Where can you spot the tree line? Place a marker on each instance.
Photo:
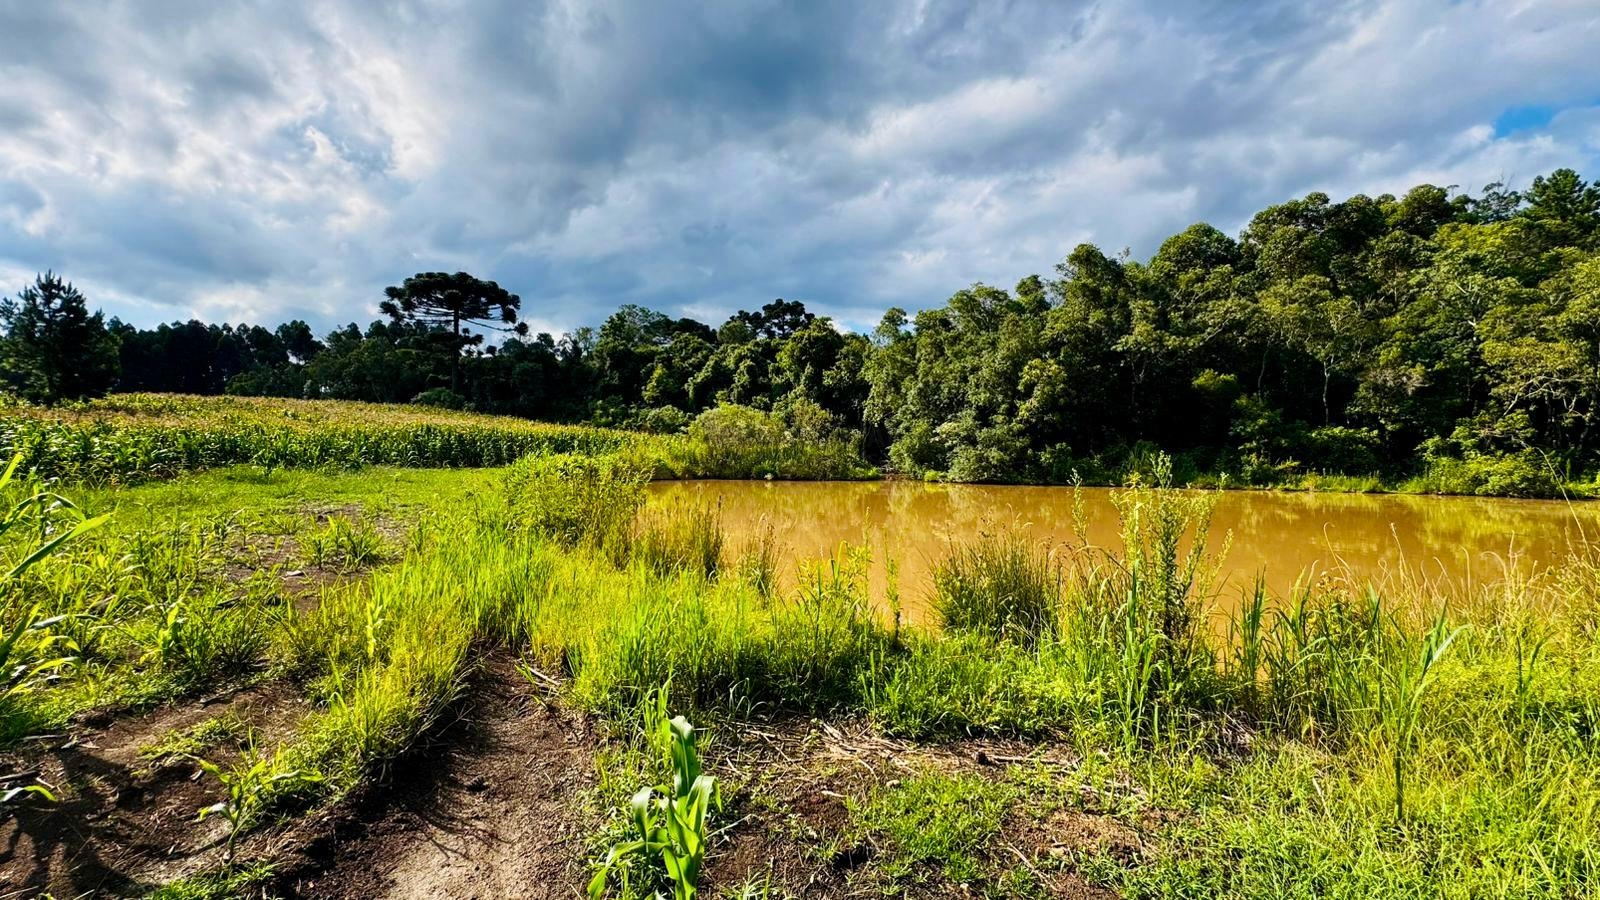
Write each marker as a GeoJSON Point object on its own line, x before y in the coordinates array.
{"type": "Point", "coordinates": [1436, 335]}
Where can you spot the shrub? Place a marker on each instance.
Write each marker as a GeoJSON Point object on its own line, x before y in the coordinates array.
{"type": "Point", "coordinates": [440, 397]}
{"type": "Point", "coordinates": [740, 442]}
{"type": "Point", "coordinates": [574, 500]}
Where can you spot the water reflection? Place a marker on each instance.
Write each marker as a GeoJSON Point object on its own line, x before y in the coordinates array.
{"type": "Point", "coordinates": [1283, 536]}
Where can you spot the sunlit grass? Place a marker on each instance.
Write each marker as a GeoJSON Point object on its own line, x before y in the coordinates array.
{"type": "Point", "coordinates": [1331, 742]}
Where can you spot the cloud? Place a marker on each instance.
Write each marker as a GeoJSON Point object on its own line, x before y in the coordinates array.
{"type": "Point", "coordinates": [267, 160]}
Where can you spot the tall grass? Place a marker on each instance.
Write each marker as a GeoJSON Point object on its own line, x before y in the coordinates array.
{"type": "Point", "coordinates": [572, 499]}
{"type": "Point", "coordinates": [681, 540]}
{"type": "Point", "coordinates": [1001, 585]}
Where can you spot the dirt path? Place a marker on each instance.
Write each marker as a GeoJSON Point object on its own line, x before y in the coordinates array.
{"type": "Point", "coordinates": [492, 814]}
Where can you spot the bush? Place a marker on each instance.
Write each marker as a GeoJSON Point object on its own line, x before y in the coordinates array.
{"type": "Point", "coordinates": [573, 499]}
{"type": "Point", "coordinates": [440, 397]}
{"type": "Point", "coordinates": [740, 442]}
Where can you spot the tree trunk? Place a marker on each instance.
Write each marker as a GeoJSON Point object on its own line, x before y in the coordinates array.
{"type": "Point", "coordinates": [1327, 416]}
{"type": "Point", "coordinates": [455, 357]}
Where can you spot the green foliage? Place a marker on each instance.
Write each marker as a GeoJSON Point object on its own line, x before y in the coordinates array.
{"type": "Point", "coordinates": [1400, 700]}
{"type": "Point", "coordinates": [443, 398]}
{"type": "Point", "coordinates": [52, 348]}
{"type": "Point", "coordinates": [574, 500]}
{"type": "Point", "coordinates": [1490, 458]}
{"type": "Point", "coordinates": [669, 822]}
{"type": "Point", "coordinates": [1334, 742]}
{"type": "Point", "coordinates": [740, 442]}
{"type": "Point", "coordinates": [1000, 585]}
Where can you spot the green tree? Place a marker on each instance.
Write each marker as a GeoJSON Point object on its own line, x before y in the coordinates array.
{"type": "Point", "coordinates": [438, 299]}
{"type": "Point", "coordinates": [54, 348]}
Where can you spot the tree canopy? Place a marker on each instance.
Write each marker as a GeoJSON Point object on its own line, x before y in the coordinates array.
{"type": "Point", "coordinates": [437, 299]}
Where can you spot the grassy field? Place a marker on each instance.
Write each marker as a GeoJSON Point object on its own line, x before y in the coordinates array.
{"type": "Point", "coordinates": [281, 648]}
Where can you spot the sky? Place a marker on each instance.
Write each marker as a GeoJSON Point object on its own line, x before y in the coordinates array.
{"type": "Point", "coordinates": [239, 161]}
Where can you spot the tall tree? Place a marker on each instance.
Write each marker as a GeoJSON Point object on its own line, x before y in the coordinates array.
{"type": "Point", "coordinates": [438, 299]}
{"type": "Point", "coordinates": [54, 349]}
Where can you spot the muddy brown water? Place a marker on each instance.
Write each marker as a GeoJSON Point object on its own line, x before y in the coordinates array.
{"type": "Point", "coordinates": [1452, 542]}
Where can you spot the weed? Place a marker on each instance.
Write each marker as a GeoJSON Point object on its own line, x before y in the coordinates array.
{"type": "Point", "coordinates": [230, 883]}
{"type": "Point", "coordinates": [344, 543]}
{"type": "Point", "coordinates": [198, 738]}
{"type": "Point", "coordinates": [1400, 700]}
{"type": "Point", "coordinates": [932, 824]}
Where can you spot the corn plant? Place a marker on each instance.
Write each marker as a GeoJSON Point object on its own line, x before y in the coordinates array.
{"type": "Point", "coordinates": [250, 786]}
{"type": "Point", "coordinates": [1400, 701]}
{"type": "Point", "coordinates": [669, 821]}
{"type": "Point", "coordinates": [28, 649]}
{"type": "Point", "coordinates": [21, 671]}
{"type": "Point", "coordinates": [32, 512]}
{"type": "Point", "coordinates": [135, 437]}
{"type": "Point", "coordinates": [169, 637]}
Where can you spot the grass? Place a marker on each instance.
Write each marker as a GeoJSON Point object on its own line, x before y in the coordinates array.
{"type": "Point", "coordinates": [197, 739]}
{"type": "Point", "coordinates": [999, 585]}
{"type": "Point", "coordinates": [1368, 740]}
{"type": "Point", "coordinates": [933, 828]}
{"type": "Point", "coordinates": [233, 882]}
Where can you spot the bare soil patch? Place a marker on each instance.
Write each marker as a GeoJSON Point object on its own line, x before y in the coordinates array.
{"type": "Point", "coordinates": [123, 825]}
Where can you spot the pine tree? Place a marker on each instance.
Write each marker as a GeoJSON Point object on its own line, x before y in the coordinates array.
{"type": "Point", "coordinates": [54, 349]}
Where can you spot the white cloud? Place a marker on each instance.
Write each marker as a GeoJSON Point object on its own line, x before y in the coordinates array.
{"type": "Point", "coordinates": [270, 160]}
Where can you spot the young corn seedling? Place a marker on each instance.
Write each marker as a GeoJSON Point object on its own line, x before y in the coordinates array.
{"type": "Point", "coordinates": [249, 785]}
{"type": "Point", "coordinates": [669, 821]}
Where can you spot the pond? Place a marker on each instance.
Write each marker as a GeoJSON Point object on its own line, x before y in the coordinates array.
{"type": "Point", "coordinates": [1283, 537]}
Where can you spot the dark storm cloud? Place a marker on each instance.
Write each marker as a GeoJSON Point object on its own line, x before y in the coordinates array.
{"type": "Point", "coordinates": [267, 160]}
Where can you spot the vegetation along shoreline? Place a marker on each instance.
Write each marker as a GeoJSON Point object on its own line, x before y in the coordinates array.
{"type": "Point", "coordinates": [1433, 342]}
{"type": "Point", "coordinates": [284, 650]}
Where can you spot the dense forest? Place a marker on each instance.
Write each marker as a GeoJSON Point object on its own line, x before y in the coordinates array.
{"type": "Point", "coordinates": [1448, 340]}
